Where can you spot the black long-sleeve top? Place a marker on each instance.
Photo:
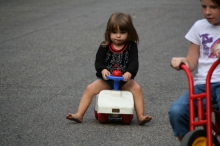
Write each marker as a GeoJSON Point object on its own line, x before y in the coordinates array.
{"type": "Point", "coordinates": [125, 60]}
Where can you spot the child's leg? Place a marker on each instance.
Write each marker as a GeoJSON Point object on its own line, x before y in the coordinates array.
{"type": "Point", "coordinates": [91, 90]}
{"type": "Point", "coordinates": [179, 116]}
{"type": "Point", "coordinates": [136, 90]}
{"type": "Point", "coordinates": [216, 87]}
{"type": "Point", "coordinates": [179, 113]}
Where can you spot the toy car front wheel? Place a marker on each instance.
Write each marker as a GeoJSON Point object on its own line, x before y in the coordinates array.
{"type": "Point", "coordinates": [126, 119]}
{"type": "Point", "coordinates": [103, 118]}
{"type": "Point", "coordinates": [197, 138]}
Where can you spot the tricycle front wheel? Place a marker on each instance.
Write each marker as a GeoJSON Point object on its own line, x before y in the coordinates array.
{"type": "Point", "coordinates": [197, 138]}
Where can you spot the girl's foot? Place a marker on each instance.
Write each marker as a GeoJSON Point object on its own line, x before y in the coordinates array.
{"type": "Point", "coordinates": [144, 119]}
{"type": "Point", "coordinates": [180, 138]}
{"type": "Point", "coordinates": [74, 117]}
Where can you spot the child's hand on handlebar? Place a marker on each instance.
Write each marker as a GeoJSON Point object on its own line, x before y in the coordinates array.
{"type": "Point", "coordinates": [105, 73]}
{"type": "Point", "coordinates": [127, 76]}
{"type": "Point", "coordinates": [177, 61]}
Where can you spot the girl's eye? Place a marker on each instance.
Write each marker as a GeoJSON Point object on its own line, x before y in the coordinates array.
{"type": "Point", "coordinates": [213, 7]}
{"type": "Point", "coordinates": [203, 6]}
{"type": "Point", "coordinates": [123, 32]}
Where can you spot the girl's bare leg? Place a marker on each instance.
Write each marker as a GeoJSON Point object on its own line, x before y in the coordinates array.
{"type": "Point", "coordinates": [91, 90]}
{"type": "Point", "coordinates": [136, 90]}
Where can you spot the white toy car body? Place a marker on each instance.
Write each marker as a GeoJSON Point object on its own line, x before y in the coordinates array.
{"type": "Point", "coordinates": [114, 104]}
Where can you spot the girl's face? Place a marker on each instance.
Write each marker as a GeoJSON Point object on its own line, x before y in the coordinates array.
{"type": "Point", "coordinates": [211, 12]}
{"type": "Point", "coordinates": [118, 37]}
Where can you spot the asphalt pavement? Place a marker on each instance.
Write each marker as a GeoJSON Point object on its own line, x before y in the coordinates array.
{"type": "Point", "coordinates": [47, 53]}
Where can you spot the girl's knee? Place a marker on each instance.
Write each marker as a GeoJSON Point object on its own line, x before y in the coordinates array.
{"type": "Point", "coordinates": [177, 110]}
{"type": "Point", "coordinates": [173, 111]}
{"type": "Point", "coordinates": [136, 87]}
{"type": "Point", "coordinates": [90, 87]}
{"type": "Point", "coordinates": [97, 86]}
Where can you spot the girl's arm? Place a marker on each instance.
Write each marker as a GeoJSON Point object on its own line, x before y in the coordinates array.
{"type": "Point", "coordinates": [133, 64]}
{"type": "Point", "coordinates": [100, 59]}
{"type": "Point", "coordinates": [190, 61]}
{"type": "Point", "coordinates": [100, 63]}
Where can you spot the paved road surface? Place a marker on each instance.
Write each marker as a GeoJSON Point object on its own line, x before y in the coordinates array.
{"type": "Point", "coordinates": [47, 52]}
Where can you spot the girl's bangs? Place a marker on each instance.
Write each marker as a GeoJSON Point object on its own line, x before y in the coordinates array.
{"type": "Point", "coordinates": [114, 27]}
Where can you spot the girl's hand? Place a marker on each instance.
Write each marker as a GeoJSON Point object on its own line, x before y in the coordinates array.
{"type": "Point", "coordinates": [127, 76]}
{"type": "Point", "coordinates": [105, 73]}
{"type": "Point", "coordinates": [175, 62]}
{"type": "Point", "coordinates": [191, 60]}
{"type": "Point", "coordinates": [218, 53]}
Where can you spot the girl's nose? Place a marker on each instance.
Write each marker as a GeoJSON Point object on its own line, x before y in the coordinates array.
{"type": "Point", "coordinates": [118, 35]}
{"type": "Point", "coordinates": [207, 11]}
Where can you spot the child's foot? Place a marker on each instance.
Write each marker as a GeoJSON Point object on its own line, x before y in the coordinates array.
{"type": "Point", "coordinates": [144, 119]}
{"type": "Point", "coordinates": [180, 138]}
{"type": "Point", "coordinates": [74, 117]}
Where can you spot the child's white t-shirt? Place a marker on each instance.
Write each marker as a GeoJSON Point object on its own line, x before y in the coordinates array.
{"type": "Point", "coordinates": [207, 36]}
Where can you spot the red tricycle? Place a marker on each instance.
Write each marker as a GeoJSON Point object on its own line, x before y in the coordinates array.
{"type": "Point", "coordinates": [200, 117]}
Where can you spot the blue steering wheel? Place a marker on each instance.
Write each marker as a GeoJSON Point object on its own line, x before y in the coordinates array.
{"type": "Point", "coordinates": [116, 81]}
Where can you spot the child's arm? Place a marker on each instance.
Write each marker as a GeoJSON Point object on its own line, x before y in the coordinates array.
{"type": "Point", "coordinates": [190, 61]}
{"type": "Point", "coordinates": [133, 64]}
{"type": "Point", "coordinates": [100, 60]}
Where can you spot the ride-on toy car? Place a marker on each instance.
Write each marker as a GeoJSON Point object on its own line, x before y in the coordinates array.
{"type": "Point", "coordinates": [208, 135]}
{"type": "Point", "coordinates": [114, 104]}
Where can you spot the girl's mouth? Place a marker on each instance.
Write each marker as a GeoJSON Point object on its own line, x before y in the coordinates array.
{"type": "Point", "coordinates": [210, 19]}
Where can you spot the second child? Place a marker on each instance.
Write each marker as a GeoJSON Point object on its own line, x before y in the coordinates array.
{"type": "Point", "coordinates": [204, 50]}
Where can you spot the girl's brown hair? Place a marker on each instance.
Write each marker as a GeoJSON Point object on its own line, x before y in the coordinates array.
{"type": "Point", "coordinates": [217, 2]}
{"type": "Point", "coordinates": [124, 23]}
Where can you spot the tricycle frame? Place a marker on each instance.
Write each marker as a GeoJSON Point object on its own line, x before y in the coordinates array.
{"type": "Point", "coordinates": [204, 118]}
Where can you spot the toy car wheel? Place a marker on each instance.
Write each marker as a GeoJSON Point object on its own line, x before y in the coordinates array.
{"type": "Point", "coordinates": [126, 119]}
{"type": "Point", "coordinates": [197, 138]}
{"type": "Point", "coordinates": [103, 118]}
{"type": "Point", "coordinates": [96, 114]}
